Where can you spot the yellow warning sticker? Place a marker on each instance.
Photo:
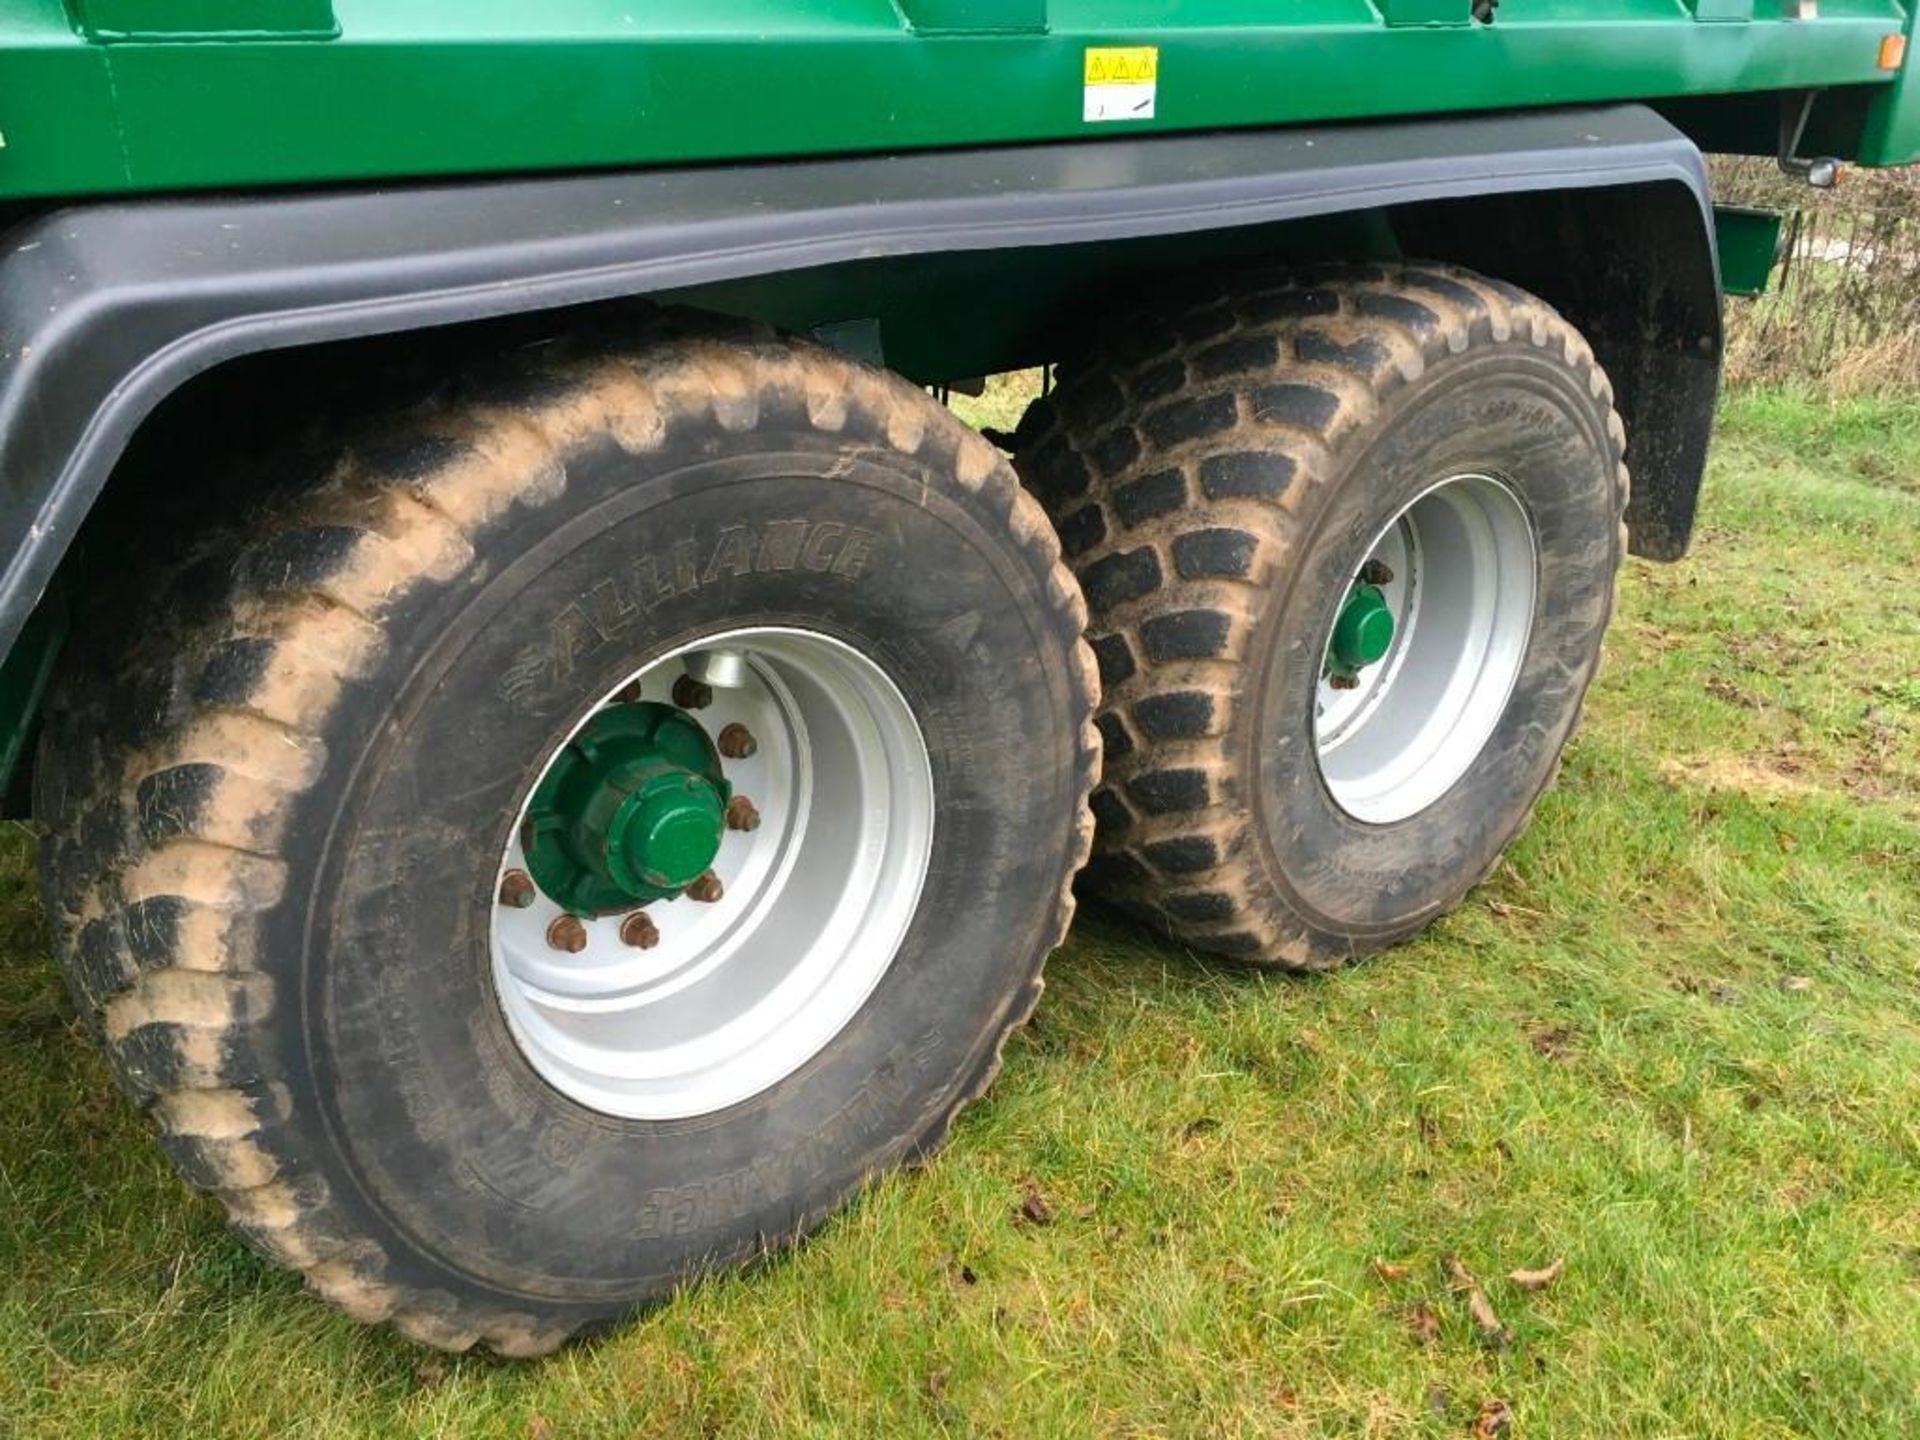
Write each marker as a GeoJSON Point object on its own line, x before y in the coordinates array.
{"type": "Point", "coordinates": [1121, 82]}
{"type": "Point", "coordinates": [1128, 65]}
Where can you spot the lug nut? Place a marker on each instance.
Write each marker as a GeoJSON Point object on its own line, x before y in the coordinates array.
{"type": "Point", "coordinates": [741, 814]}
{"type": "Point", "coordinates": [516, 889]}
{"type": "Point", "coordinates": [692, 694]}
{"type": "Point", "coordinates": [1376, 572]}
{"type": "Point", "coordinates": [628, 693]}
{"type": "Point", "coordinates": [639, 931]}
{"type": "Point", "coordinates": [1344, 682]}
{"type": "Point", "coordinates": [736, 742]}
{"type": "Point", "coordinates": [568, 934]}
{"type": "Point", "coordinates": [706, 889]}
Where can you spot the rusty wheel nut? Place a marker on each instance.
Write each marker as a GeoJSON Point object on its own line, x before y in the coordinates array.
{"type": "Point", "coordinates": [1344, 682]}
{"type": "Point", "coordinates": [692, 694]}
{"type": "Point", "coordinates": [516, 889]}
{"type": "Point", "coordinates": [706, 889]}
{"type": "Point", "coordinates": [741, 814]}
{"type": "Point", "coordinates": [736, 742]}
{"type": "Point", "coordinates": [639, 931]}
{"type": "Point", "coordinates": [1376, 572]}
{"type": "Point", "coordinates": [568, 934]}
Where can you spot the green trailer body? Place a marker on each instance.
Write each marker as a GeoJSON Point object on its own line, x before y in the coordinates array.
{"type": "Point", "coordinates": [415, 414]}
{"type": "Point", "coordinates": [108, 101]}
{"type": "Point", "coordinates": [139, 95]}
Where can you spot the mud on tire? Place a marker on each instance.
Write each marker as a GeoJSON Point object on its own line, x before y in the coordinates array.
{"type": "Point", "coordinates": [276, 794]}
{"type": "Point", "coordinates": [1216, 475]}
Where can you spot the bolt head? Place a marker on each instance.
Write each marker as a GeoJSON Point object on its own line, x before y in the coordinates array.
{"type": "Point", "coordinates": [736, 742]}
{"type": "Point", "coordinates": [706, 889]}
{"type": "Point", "coordinates": [692, 694]}
{"type": "Point", "coordinates": [1344, 682]}
{"type": "Point", "coordinates": [1376, 572]}
{"type": "Point", "coordinates": [517, 889]}
{"type": "Point", "coordinates": [639, 931]}
{"type": "Point", "coordinates": [742, 814]}
{"type": "Point", "coordinates": [567, 933]}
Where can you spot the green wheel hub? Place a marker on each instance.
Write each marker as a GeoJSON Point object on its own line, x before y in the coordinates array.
{"type": "Point", "coordinates": [632, 811]}
{"type": "Point", "coordinates": [1362, 633]}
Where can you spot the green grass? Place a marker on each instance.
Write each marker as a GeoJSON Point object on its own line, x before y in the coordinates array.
{"type": "Point", "coordinates": [1675, 1041]}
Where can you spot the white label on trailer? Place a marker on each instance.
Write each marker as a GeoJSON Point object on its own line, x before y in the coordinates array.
{"type": "Point", "coordinates": [1121, 82]}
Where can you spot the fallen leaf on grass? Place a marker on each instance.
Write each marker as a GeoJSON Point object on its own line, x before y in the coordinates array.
{"type": "Point", "coordinates": [1506, 910]}
{"type": "Point", "coordinates": [1552, 1043]}
{"type": "Point", "coordinates": [1034, 1207]}
{"type": "Point", "coordinates": [1732, 694]}
{"type": "Point", "coordinates": [1492, 1332]}
{"type": "Point", "coordinates": [1494, 1418]}
{"type": "Point", "coordinates": [1425, 1324]}
{"type": "Point", "coordinates": [539, 1427]}
{"type": "Point", "coordinates": [937, 1383]}
{"type": "Point", "coordinates": [1796, 983]}
{"type": "Point", "coordinates": [1388, 1271]}
{"type": "Point", "coordinates": [1458, 1276]}
{"type": "Point", "coordinates": [1483, 1316]}
{"type": "Point", "coordinates": [1538, 1279]}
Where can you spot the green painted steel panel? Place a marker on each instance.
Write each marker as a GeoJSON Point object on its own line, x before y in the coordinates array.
{"type": "Point", "coordinates": [1748, 240]}
{"type": "Point", "coordinates": [122, 20]}
{"type": "Point", "coordinates": [934, 17]}
{"type": "Point", "coordinates": [1893, 120]}
{"type": "Point", "coordinates": [1721, 10]}
{"type": "Point", "coordinates": [1427, 12]}
{"type": "Point", "coordinates": [59, 129]}
{"type": "Point", "coordinates": [431, 87]}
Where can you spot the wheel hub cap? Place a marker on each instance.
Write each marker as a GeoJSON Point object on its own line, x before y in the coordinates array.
{"type": "Point", "coordinates": [632, 811]}
{"type": "Point", "coordinates": [805, 861]}
{"type": "Point", "coordinates": [1363, 633]}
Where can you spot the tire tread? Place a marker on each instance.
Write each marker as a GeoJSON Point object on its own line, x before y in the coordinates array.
{"type": "Point", "coordinates": [1276, 376]}
{"type": "Point", "coordinates": [180, 761]}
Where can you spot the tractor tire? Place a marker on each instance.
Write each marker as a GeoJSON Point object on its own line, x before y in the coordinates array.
{"type": "Point", "coordinates": [1230, 478]}
{"type": "Point", "coordinates": [283, 795]}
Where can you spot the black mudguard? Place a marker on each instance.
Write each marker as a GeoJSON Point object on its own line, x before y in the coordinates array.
{"type": "Point", "coordinates": [106, 309]}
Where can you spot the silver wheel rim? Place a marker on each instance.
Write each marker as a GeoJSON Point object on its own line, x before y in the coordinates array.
{"type": "Point", "coordinates": [1461, 568]}
{"type": "Point", "coordinates": [739, 993]}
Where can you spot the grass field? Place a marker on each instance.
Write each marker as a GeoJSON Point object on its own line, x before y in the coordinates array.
{"type": "Point", "coordinates": [1674, 1044]}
